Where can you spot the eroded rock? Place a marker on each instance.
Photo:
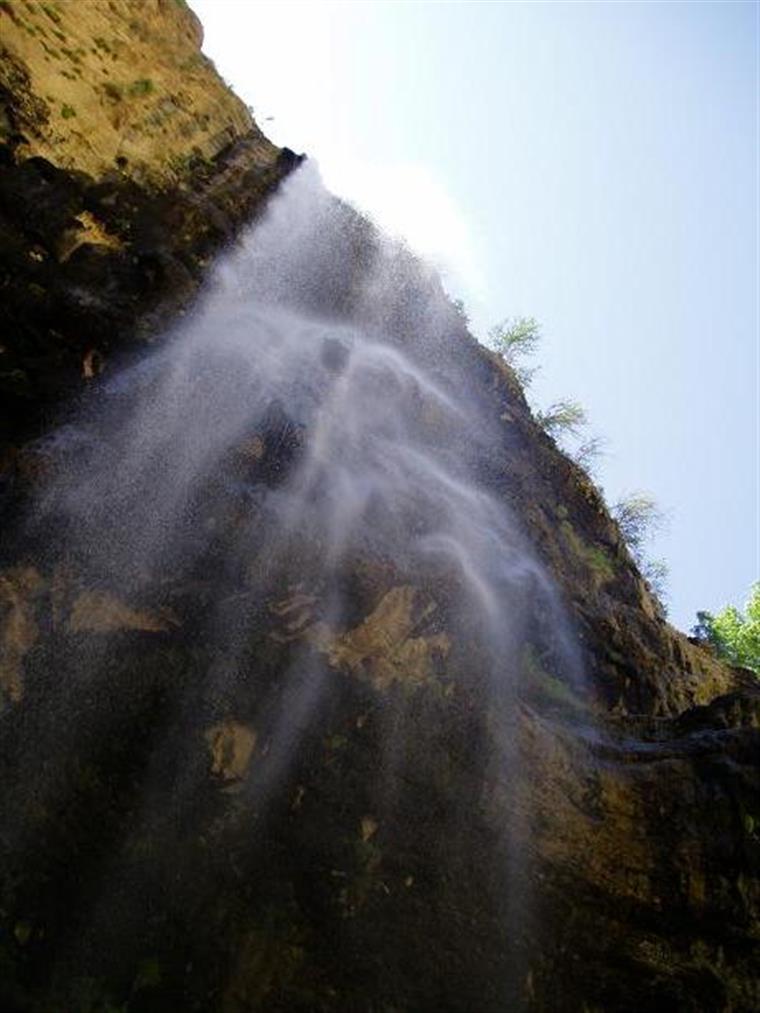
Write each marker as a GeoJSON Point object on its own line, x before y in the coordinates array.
{"type": "Point", "coordinates": [231, 745]}
{"type": "Point", "coordinates": [383, 648]}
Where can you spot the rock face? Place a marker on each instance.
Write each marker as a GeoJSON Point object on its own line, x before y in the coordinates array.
{"type": "Point", "coordinates": [109, 216]}
{"type": "Point", "coordinates": [221, 791]}
{"type": "Point", "coordinates": [101, 86]}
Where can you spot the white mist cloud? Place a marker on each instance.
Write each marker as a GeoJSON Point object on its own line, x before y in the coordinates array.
{"type": "Point", "coordinates": [409, 201]}
{"type": "Point", "coordinates": [296, 83]}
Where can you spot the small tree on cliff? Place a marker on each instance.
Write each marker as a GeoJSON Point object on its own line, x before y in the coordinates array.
{"type": "Point", "coordinates": [587, 454]}
{"type": "Point", "coordinates": [735, 635]}
{"type": "Point", "coordinates": [514, 339]}
{"type": "Point", "coordinates": [638, 518]}
{"type": "Point", "coordinates": [562, 417]}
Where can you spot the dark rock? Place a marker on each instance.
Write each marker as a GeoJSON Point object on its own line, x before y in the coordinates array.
{"type": "Point", "coordinates": [205, 826]}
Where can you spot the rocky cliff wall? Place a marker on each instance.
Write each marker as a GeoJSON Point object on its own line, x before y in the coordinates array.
{"type": "Point", "coordinates": [110, 211]}
{"type": "Point", "coordinates": [103, 86]}
{"type": "Point", "coordinates": [588, 845]}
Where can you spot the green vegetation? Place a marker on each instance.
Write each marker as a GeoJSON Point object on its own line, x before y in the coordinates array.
{"type": "Point", "coordinates": [143, 86]}
{"type": "Point", "coordinates": [735, 635]}
{"type": "Point", "coordinates": [656, 572]}
{"type": "Point", "coordinates": [51, 12]}
{"type": "Point", "coordinates": [638, 518]}
{"type": "Point", "coordinates": [514, 339]}
{"type": "Point", "coordinates": [588, 453]}
{"type": "Point", "coordinates": [562, 417]}
{"type": "Point", "coordinates": [592, 555]}
{"type": "Point", "coordinates": [68, 111]}
{"type": "Point", "coordinates": [547, 686]}
{"type": "Point", "coordinates": [181, 163]}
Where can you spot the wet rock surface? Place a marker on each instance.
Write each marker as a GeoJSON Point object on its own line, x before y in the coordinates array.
{"type": "Point", "coordinates": [222, 792]}
{"type": "Point", "coordinates": [176, 829]}
{"type": "Point", "coordinates": [92, 269]}
{"type": "Point", "coordinates": [109, 216]}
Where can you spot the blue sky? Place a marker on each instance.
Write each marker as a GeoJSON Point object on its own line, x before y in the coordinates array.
{"type": "Point", "coordinates": [592, 165]}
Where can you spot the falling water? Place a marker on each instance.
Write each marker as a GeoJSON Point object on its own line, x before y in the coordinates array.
{"type": "Point", "coordinates": [307, 449]}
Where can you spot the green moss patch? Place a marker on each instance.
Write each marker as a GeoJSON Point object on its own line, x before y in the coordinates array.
{"type": "Point", "coordinates": [592, 556]}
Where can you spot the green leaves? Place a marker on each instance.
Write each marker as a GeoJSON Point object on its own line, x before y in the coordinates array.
{"type": "Point", "coordinates": [514, 339]}
{"type": "Point", "coordinates": [566, 422]}
{"type": "Point", "coordinates": [735, 635]}
{"type": "Point", "coordinates": [638, 518]}
{"type": "Point", "coordinates": [563, 416]}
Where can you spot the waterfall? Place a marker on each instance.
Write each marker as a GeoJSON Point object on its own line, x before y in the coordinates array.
{"type": "Point", "coordinates": [284, 505]}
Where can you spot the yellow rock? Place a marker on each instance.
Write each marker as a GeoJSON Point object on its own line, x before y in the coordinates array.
{"type": "Point", "coordinates": [90, 232]}
{"type": "Point", "coordinates": [231, 744]}
{"type": "Point", "coordinates": [102, 612]}
{"type": "Point", "coordinates": [368, 827]}
{"type": "Point", "coordinates": [383, 648]}
{"type": "Point", "coordinates": [103, 85]}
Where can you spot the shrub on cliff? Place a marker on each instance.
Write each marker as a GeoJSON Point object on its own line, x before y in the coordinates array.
{"type": "Point", "coordinates": [735, 635]}
{"type": "Point", "coordinates": [562, 417]}
{"type": "Point", "coordinates": [638, 518]}
{"type": "Point", "coordinates": [514, 339]}
{"type": "Point", "coordinates": [566, 422]}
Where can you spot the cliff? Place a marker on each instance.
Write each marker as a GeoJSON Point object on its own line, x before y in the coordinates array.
{"type": "Point", "coordinates": [127, 162]}
{"type": "Point", "coordinates": [241, 772]}
{"type": "Point", "coordinates": [124, 86]}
